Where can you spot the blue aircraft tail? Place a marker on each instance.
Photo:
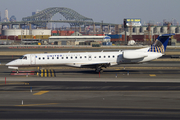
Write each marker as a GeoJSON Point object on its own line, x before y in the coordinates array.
{"type": "Point", "coordinates": [160, 44]}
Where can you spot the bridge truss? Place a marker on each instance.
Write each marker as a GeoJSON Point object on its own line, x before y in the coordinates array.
{"type": "Point", "coordinates": [68, 14]}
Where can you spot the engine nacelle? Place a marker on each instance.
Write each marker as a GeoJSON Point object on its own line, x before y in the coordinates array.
{"type": "Point", "coordinates": [134, 54]}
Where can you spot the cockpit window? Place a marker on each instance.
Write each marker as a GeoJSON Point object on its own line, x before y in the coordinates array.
{"type": "Point", "coordinates": [23, 57]}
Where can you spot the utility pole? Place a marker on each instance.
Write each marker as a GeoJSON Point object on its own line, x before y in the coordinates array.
{"type": "Point", "coordinates": [130, 36]}
{"type": "Point", "coordinates": [125, 29]}
{"type": "Point", "coordinates": [102, 27]}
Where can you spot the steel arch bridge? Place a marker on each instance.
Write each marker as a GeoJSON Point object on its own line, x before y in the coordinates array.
{"type": "Point", "coordinates": [47, 14]}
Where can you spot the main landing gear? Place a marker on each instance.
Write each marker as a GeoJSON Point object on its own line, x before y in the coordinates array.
{"type": "Point", "coordinates": [99, 69]}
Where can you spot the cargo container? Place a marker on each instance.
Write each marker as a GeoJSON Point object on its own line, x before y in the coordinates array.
{"type": "Point", "coordinates": [81, 43]}
{"type": "Point", "coordinates": [70, 42]}
{"type": "Point", "coordinates": [63, 42]}
{"type": "Point", "coordinates": [25, 36]}
{"type": "Point", "coordinates": [107, 43]}
{"type": "Point", "coordinates": [94, 43]}
{"type": "Point", "coordinates": [12, 37]}
{"type": "Point", "coordinates": [114, 40]}
{"type": "Point", "coordinates": [55, 34]}
{"type": "Point", "coordinates": [138, 38]}
{"type": "Point", "coordinates": [3, 37]}
{"type": "Point", "coordinates": [76, 42]}
{"type": "Point", "coordinates": [116, 36]}
{"type": "Point", "coordinates": [99, 34]}
{"type": "Point", "coordinates": [177, 37]}
{"type": "Point", "coordinates": [54, 31]}
{"type": "Point", "coordinates": [56, 43]}
{"type": "Point", "coordinates": [42, 36]}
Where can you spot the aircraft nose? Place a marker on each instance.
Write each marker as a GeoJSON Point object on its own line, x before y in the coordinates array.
{"type": "Point", "coordinates": [10, 63]}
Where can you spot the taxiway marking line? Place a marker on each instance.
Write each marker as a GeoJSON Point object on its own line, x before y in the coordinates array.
{"type": "Point", "coordinates": [40, 93]}
{"type": "Point", "coordinates": [117, 69]}
{"type": "Point", "coordinates": [152, 75]}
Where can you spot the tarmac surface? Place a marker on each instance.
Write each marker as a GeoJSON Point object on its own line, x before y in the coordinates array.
{"type": "Point", "coordinates": [141, 91]}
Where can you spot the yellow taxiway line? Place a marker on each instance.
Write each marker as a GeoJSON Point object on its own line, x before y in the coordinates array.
{"type": "Point", "coordinates": [152, 75]}
{"type": "Point", "coordinates": [40, 93]}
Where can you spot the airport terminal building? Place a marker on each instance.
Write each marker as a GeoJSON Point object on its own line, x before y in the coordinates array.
{"type": "Point", "coordinates": [63, 40]}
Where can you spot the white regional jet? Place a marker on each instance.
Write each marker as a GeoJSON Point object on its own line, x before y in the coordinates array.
{"type": "Point", "coordinates": [96, 60]}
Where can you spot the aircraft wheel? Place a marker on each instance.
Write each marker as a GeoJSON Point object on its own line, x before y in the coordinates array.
{"type": "Point", "coordinates": [101, 71]}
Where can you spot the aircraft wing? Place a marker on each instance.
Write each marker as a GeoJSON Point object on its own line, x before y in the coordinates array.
{"type": "Point", "coordinates": [91, 65]}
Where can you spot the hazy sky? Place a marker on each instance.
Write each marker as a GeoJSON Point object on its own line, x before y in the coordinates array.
{"type": "Point", "coordinates": [110, 11]}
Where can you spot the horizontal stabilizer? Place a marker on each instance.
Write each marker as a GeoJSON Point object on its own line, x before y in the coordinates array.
{"type": "Point", "coordinates": [134, 54]}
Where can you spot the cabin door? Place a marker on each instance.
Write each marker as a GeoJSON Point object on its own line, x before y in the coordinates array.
{"type": "Point", "coordinates": [33, 59]}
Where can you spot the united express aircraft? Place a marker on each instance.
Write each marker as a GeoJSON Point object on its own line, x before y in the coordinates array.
{"type": "Point", "coordinates": [95, 60]}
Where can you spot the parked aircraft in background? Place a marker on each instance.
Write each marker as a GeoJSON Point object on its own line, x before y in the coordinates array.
{"type": "Point", "coordinates": [95, 60]}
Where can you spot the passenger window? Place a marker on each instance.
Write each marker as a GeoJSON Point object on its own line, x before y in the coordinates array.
{"type": "Point", "coordinates": [43, 58]}
{"type": "Point", "coordinates": [57, 57]}
{"type": "Point", "coordinates": [71, 57]}
{"type": "Point", "coordinates": [52, 57]}
{"type": "Point", "coordinates": [94, 56]}
{"type": "Point", "coordinates": [76, 57]}
{"type": "Point", "coordinates": [39, 58]}
{"type": "Point", "coordinates": [62, 57]}
{"type": "Point", "coordinates": [108, 56]}
{"type": "Point", "coordinates": [104, 56]}
{"type": "Point", "coordinates": [48, 58]}
{"type": "Point", "coordinates": [80, 57]}
{"type": "Point", "coordinates": [66, 57]}
{"type": "Point", "coordinates": [99, 56]}
{"type": "Point", "coordinates": [84, 56]}
{"type": "Point", "coordinates": [113, 56]}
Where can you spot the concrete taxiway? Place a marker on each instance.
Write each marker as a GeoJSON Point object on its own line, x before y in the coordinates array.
{"type": "Point", "coordinates": [141, 91]}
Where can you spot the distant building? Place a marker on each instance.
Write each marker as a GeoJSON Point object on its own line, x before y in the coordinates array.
{"type": "Point", "coordinates": [6, 14]}
{"type": "Point", "coordinates": [33, 13]}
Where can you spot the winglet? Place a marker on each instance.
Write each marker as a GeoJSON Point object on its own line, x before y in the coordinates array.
{"type": "Point", "coordinates": [160, 44]}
